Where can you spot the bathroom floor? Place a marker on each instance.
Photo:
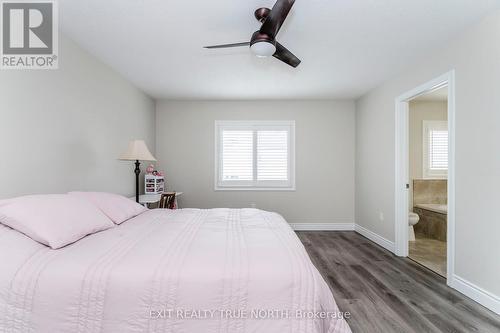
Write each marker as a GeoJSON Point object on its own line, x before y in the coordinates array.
{"type": "Point", "coordinates": [430, 253]}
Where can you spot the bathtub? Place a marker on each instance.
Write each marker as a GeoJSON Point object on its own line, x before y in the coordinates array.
{"type": "Point", "coordinates": [436, 208]}
{"type": "Point", "coordinates": [433, 220]}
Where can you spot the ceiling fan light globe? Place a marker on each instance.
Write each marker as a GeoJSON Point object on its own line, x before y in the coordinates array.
{"type": "Point", "coordinates": [263, 49]}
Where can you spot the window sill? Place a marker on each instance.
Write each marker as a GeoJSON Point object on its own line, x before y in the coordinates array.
{"type": "Point", "coordinates": [264, 189]}
{"type": "Point", "coordinates": [434, 178]}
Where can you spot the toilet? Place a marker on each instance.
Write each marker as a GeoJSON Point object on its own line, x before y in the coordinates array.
{"type": "Point", "coordinates": [412, 220]}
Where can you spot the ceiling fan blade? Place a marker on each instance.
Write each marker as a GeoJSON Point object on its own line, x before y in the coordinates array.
{"type": "Point", "coordinates": [276, 17]}
{"type": "Point", "coordinates": [286, 56]}
{"type": "Point", "coordinates": [227, 45]}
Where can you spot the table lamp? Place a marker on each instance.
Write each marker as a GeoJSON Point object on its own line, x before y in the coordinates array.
{"type": "Point", "coordinates": [137, 151]}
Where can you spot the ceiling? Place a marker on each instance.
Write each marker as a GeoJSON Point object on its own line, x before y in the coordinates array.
{"type": "Point", "coordinates": [347, 47]}
{"type": "Point", "coordinates": [438, 95]}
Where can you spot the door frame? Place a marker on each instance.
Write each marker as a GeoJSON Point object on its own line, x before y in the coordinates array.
{"type": "Point", "coordinates": [402, 167]}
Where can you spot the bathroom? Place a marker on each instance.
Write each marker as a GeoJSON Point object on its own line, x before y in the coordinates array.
{"type": "Point", "coordinates": [428, 184]}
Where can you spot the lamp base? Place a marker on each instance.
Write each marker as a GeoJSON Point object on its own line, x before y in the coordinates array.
{"type": "Point", "coordinates": [137, 172]}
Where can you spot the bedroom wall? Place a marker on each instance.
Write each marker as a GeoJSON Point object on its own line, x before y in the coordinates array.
{"type": "Point", "coordinates": [63, 129]}
{"type": "Point", "coordinates": [474, 55]}
{"type": "Point", "coordinates": [324, 156]}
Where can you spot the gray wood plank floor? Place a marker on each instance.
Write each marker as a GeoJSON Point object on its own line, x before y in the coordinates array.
{"type": "Point", "coordinates": [385, 293]}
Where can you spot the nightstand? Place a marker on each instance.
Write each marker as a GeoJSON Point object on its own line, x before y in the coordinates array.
{"type": "Point", "coordinates": [151, 199]}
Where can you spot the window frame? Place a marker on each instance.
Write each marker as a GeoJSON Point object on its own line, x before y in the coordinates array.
{"type": "Point", "coordinates": [254, 185]}
{"type": "Point", "coordinates": [427, 126]}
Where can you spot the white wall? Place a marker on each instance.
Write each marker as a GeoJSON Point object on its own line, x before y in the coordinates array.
{"type": "Point", "coordinates": [418, 112]}
{"type": "Point", "coordinates": [63, 129]}
{"type": "Point", "coordinates": [475, 57]}
{"type": "Point", "coordinates": [324, 156]}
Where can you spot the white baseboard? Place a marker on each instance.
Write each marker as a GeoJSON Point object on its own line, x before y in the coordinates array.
{"type": "Point", "coordinates": [478, 294]}
{"type": "Point", "coordinates": [385, 243]}
{"type": "Point", "coordinates": [322, 226]}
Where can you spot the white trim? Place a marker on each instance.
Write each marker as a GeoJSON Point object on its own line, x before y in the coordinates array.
{"type": "Point", "coordinates": [255, 185]}
{"type": "Point", "coordinates": [322, 226]}
{"type": "Point", "coordinates": [402, 178]}
{"type": "Point", "coordinates": [254, 188]}
{"type": "Point", "coordinates": [385, 243]}
{"type": "Point", "coordinates": [483, 297]}
{"type": "Point", "coordinates": [401, 167]}
{"type": "Point", "coordinates": [451, 178]}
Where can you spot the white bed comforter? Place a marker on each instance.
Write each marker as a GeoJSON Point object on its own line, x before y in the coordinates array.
{"type": "Point", "coordinates": [190, 270]}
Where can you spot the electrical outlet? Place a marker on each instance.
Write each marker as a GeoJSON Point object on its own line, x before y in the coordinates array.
{"type": "Point", "coordinates": [381, 216]}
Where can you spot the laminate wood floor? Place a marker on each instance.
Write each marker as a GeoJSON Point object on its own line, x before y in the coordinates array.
{"type": "Point", "coordinates": [385, 293]}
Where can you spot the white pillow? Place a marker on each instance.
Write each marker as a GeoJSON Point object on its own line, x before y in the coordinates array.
{"type": "Point", "coordinates": [118, 208]}
{"type": "Point", "coordinates": [55, 220]}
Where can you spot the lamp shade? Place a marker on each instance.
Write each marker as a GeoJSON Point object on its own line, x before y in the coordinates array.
{"type": "Point", "coordinates": [137, 151]}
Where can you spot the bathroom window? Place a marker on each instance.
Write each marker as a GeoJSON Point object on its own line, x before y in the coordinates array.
{"type": "Point", "coordinates": [255, 155]}
{"type": "Point", "coordinates": [435, 149]}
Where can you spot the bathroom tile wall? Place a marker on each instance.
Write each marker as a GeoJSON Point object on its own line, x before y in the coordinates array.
{"type": "Point", "coordinates": [430, 191]}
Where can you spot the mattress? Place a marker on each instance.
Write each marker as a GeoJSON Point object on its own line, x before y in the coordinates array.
{"type": "Point", "coordinates": [189, 270]}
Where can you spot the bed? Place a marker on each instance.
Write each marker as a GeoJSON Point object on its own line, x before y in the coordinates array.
{"type": "Point", "coordinates": [189, 270]}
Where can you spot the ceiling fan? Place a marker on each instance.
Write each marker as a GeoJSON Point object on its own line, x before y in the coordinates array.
{"type": "Point", "coordinates": [263, 42]}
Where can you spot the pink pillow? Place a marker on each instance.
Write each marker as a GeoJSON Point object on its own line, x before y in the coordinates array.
{"type": "Point", "coordinates": [55, 220]}
{"type": "Point", "coordinates": [118, 208]}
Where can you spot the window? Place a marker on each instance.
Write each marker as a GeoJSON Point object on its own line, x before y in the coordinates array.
{"type": "Point", "coordinates": [435, 149]}
{"type": "Point", "coordinates": [255, 155]}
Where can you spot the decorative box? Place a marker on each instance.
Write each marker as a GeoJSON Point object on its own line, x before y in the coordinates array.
{"type": "Point", "coordinates": [154, 184]}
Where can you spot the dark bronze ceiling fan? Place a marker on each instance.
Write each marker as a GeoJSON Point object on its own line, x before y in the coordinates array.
{"type": "Point", "coordinates": [263, 42]}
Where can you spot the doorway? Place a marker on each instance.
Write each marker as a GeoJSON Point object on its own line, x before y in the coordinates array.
{"type": "Point", "coordinates": [428, 175]}
{"type": "Point", "coordinates": [425, 185]}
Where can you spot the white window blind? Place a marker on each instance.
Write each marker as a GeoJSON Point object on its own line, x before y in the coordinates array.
{"type": "Point", "coordinates": [254, 155]}
{"type": "Point", "coordinates": [272, 155]}
{"type": "Point", "coordinates": [438, 150]}
{"type": "Point", "coordinates": [435, 149]}
{"type": "Point", "coordinates": [237, 149]}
